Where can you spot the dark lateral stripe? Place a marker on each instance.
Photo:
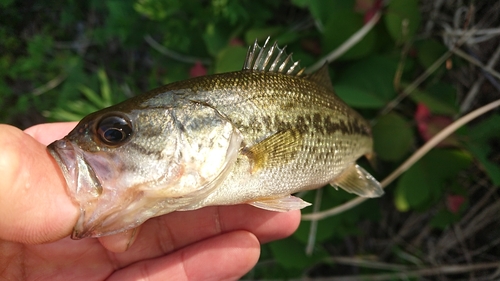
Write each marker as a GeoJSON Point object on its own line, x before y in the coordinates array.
{"type": "Point", "coordinates": [142, 150]}
{"type": "Point", "coordinates": [325, 125]}
{"type": "Point", "coordinates": [313, 123]}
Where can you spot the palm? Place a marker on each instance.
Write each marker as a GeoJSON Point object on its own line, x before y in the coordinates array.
{"type": "Point", "coordinates": [212, 242]}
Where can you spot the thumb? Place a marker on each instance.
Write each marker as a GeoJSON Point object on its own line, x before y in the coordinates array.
{"type": "Point", "coordinates": [34, 205]}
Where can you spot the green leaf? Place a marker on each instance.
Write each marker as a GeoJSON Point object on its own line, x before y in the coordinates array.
{"type": "Point", "coordinates": [429, 51]}
{"type": "Point", "coordinates": [157, 9]}
{"type": "Point", "coordinates": [106, 100]}
{"type": "Point", "coordinates": [323, 10]}
{"type": "Point", "coordinates": [359, 98]}
{"type": "Point", "coordinates": [402, 19]}
{"type": "Point", "coordinates": [290, 253]}
{"type": "Point", "coordinates": [261, 34]}
{"type": "Point", "coordinates": [393, 137]}
{"type": "Point", "coordinates": [298, 3]}
{"type": "Point", "coordinates": [230, 58]}
{"type": "Point", "coordinates": [415, 184]}
{"type": "Point", "coordinates": [400, 201]}
{"type": "Point", "coordinates": [215, 38]}
{"type": "Point", "coordinates": [479, 142]}
{"type": "Point", "coordinates": [6, 3]}
{"type": "Point", "coordinates": [336, 227]}
{"type": "Point", "coordinates": [91, 96]}
{"type": "Point", "coordinates": [439, 98]}
{"type": "Point", "coordinates": [486, 130]}
{"type": "Point", "coordinates": [341, 25]}
{"type": "Point", "coordinates": [443, 219]}
{"type": "Point", "coordinates": [424, 182]}
{"type": "Point", "coordinates": [492, 169]}
{"type": "Point", "coordinates": [373, 80]}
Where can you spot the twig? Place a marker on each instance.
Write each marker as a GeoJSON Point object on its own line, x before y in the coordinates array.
{"type": "Point", "coordinates": [475, 88]}
{"type": "Point", "coordinates": [408, 163]}
{"type": "Point", "coordinates": [174, 55]}
{"type": "Point", "coordinates": [408, 90]}
{"type": "Point", "coordinates": [367, 263]}
{"type": "Point", "coordinates": [444, 269]}
{"type": "Point", "coordinates": [474, 61]}
{"type": "Point", "coordinates": [479, 222]}
{"type": "Point", "coordinates": [433, 15]}
{"type": "Point", "coordinates": [311, 239]}
{"type": "Point", "coordinates": [50, 85]}
{"type": "Point", "coordinates": [348, 44]}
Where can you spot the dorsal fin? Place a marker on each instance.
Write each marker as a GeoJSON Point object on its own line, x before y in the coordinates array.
{"type": "Point", "coordinates": [271, 58]}
{"type": "Point", "coordinates": [321, 77]}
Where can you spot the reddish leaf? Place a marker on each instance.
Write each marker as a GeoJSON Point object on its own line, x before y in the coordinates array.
{"type": "Point", "coordinates": [429, 125]}
{"type": "Point", "coordinates": [236, 42]}
{"type": "Point", "coordinates": [197, 70]}
{"type": "Point", "coordinates": [454, 202]}
{"type": "Point", "coordinates": [312, 46]}
{"type": "Point", "coordinates": [368, 7]}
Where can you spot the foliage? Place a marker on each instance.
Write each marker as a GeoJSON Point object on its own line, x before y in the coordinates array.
{"type": "Point", "coordinates": [62, 62]}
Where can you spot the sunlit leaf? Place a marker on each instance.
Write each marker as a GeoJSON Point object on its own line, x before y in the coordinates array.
{"type": "Point", "coordinates": [91, 96]}
{"type": "Point", "coordinates": [106, 99]}
{"type": "Point", "coordinates": [230, 58]}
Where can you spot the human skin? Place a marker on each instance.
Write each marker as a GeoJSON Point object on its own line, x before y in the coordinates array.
{"type": "Point", "coordinates": [37, 217]}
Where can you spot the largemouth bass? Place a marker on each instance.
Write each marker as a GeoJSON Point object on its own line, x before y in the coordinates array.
{"type": "Point", "coordinates": [253, 136]}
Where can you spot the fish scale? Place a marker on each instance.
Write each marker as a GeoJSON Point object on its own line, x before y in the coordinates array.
{"type": "Point", "coordinates": [254, 136]}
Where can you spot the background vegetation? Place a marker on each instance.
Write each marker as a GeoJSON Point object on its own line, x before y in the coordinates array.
{"type": "Point", "coordinates": [423, 65]}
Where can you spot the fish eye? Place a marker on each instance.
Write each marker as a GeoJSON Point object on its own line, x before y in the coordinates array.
{"type": "Point", "coordinates": [114, 130]}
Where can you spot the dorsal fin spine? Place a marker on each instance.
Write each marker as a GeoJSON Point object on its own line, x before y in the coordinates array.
{"type": "Point", "coordinates": [260, 58]}
{"type": "Point", "coordinates": [277, 59]}
{"type": "Point", "coordinates": [257, 64]}
{"type": "Point", "coordinates": [268, 57]}
{"type": "Point", "coordinates": [292, 68]}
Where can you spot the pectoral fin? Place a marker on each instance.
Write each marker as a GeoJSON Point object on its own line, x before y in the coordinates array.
{"type": "Point", "coordinates": [275, 150]}
{"type": "Point", "coordinates": [282, 204]}
{"type": "Point", "coordinates": [356, 180]}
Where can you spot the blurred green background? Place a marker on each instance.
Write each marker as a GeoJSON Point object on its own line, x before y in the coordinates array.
{"type": "Point", "coordinates": [61, 60]}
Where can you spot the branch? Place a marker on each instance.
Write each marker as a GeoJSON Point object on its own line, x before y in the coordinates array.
{"type": "Point", "coordinates": [404, 275]}
{"type": "Point", "coordinates": [348, 44]}
{"type": "Point", "coordinates": [174, 55]}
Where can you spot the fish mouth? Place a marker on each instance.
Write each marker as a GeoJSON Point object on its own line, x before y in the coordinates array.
{"type": "Point", "coordinates": [83, 185]}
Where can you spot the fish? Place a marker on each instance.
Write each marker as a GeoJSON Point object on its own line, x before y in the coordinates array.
{"type": "Point", "coordinates": [255, 136]}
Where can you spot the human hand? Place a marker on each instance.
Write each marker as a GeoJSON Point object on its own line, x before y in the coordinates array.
{"type": "Point", "coordinates": [213, 243]}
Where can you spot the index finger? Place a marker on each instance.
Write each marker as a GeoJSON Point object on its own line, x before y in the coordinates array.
{"type": "Point", "coordinates": [47, 133]}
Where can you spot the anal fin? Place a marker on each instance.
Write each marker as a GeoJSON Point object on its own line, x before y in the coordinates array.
{"type": "Point", "coordinates": [356, 180]}
{"type": "Point", "coordinates": [282, 204]}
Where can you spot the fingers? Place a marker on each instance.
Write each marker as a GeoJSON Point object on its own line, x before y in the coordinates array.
{"type": "Point", "coordinates": [34, 205]}
{"type": "Point", "coordinates": [47, 133]}
{"type": "Point", "coordinates": [166, 234]}
{"type": "Point", "coordinates": [224, 257]}
{"type": "Point", "coordinates": [120, 242]}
